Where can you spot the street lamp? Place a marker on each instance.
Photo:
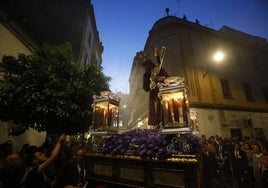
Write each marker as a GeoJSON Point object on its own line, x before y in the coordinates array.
{"type": "Point", "coordinates": [217, 57]}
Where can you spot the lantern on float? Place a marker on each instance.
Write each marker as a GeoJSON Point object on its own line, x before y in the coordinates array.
{"type": "Point", "coordinates": [175, 105]}
{"type": "Point", "coordinates": [105, 111]}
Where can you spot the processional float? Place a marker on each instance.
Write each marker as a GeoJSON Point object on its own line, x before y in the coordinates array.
{"type": "Point", "coordinates": [125, 160]}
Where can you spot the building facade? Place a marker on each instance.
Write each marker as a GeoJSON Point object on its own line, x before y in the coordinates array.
{"type": "Point", "coordinates": [56, 22]}
{"type": "Point", "coordinates": [227, 99]}
{"type": "Point", "coordinates": [14, 40]}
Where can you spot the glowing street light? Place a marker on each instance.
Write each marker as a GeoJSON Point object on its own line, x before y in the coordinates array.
{"type": "Point", "coordinates": [217, 57]}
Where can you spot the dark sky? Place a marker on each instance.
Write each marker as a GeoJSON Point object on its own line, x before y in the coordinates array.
{"type": "Point", "coordinates": [123, 26]}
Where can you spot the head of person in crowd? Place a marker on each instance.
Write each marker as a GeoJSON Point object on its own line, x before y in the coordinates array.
{"type": "Point", "coordinates": [48, 145]}
{"type": "Point", "coordinates": [221, 142]}
{"type": "Point", "coordinates": [256, 148]}
{"type": "Point", "coordinates": [247, 146]}
{"type": "Point", "coordinates": [237, 146]}
{"type": "Point", "coordinates": [208, 147]}
{"type": "Point", "coordinates": [80, 156]}
{"type": "Point", "coordinates": [24, 151]}
{"type": "Point", "coordinates": [12, 160]}
{"type": "Point", "coordinates": [227, 141]}
{"type": "Point", "coordinates": [203, 137]}
{"type": "Point", "coordinates": [12, 171]}
{"type": "Point", "coordinates": [211, 139]}
{"type": "Point", "coordinates": [35, 156]}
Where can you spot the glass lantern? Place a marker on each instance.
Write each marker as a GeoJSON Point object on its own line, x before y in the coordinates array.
{"type": "Point", "coordinates": [175, 104]}
{"type": "Point", "coordinates": [105, 111]}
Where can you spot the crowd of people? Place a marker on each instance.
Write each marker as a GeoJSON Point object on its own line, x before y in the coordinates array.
{"type": "Point", "coordinates": [53, 165]}
{"type": "Point", "coordinates": [234, 162]}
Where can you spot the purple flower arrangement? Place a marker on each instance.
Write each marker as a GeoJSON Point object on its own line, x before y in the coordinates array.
{"type": "Point", "coordinates": [147, 143]}
{"type": "Point", "coordinates": [194, 141]}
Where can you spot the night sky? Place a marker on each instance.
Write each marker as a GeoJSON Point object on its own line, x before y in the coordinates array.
{"type": "Point", "coordinates": [124, 26]}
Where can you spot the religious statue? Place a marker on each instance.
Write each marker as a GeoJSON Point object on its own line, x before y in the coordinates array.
{"type": "Point", "coordinates": [154, 74]}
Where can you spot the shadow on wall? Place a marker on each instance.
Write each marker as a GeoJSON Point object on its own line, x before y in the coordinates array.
{"type": "Point", "coordinates": [30, 137]}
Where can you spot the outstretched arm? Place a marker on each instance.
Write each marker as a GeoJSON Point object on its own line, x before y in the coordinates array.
{"type": "Point", "coordinates": [53, 155]}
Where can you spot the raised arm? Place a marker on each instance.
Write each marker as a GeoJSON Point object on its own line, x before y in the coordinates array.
{"type": "Point", "coordinates": [53, 155]}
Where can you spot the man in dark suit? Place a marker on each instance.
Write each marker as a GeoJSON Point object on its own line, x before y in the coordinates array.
{"type": "Point", "coordinates": [240, 165]}
{"type": "Point", "coordinates": [223, 156]}
{"type": "Point", "coordinates": [210, 167]}
{"type": "Point", "coordinates": [74, 172]}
